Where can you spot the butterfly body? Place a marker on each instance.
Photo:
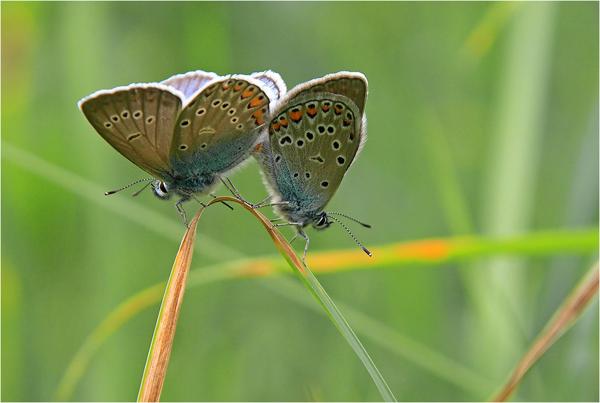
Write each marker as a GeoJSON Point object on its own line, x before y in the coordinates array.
{"type": "Point", "coordinates": [314, 136]}
{"type": "Point", "coordinates": [188, 130]}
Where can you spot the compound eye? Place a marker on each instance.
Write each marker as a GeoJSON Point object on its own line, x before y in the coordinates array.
{"type": "Point", "coordinates": [322, 221]}
{"type": "Point", "coordinates": [160, 189]}
{"type": "Point", "coordinates": [163, 187]}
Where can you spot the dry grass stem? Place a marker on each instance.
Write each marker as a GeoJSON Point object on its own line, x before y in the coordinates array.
{"type": "Point", "coordinates": [164, 331]}
{"type": "Point", "coordinates": [564, 317]}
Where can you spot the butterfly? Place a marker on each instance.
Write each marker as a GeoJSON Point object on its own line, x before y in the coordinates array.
{"type": "Point", "coordinates": [188, 130]}
{"type": "Point", "coordinates": [316, 133]}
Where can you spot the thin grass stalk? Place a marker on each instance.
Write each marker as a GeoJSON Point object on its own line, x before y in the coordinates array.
{"type": "Point", "coordinates": [570, 310]}
{"type": "Point", "coordinates": [164, 331]}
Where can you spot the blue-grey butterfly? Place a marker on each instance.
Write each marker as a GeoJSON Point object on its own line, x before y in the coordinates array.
{"type": "Point", "coordinates": [188, 130]}
{"type": "Point", "coordinates": [316, 132]}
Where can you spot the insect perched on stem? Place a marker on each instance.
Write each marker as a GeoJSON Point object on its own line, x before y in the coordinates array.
{"type": "Point", "coordinates": [314, 136]}
{"type": "Point", "coordinates": [187, 131]}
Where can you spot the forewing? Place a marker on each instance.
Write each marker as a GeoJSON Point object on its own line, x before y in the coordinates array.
{"type": "Point", "coordinates": [217, 129]}
{"type": "Point", "coordinates": [190, 83]}
{"type": "Point", "coordinates": [353, 85]}
{"type": "Point", "coordinates": [313, 141]}
{"type": "Point", "coordinates": [138, 121]}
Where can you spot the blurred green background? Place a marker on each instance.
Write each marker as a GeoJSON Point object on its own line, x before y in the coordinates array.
{"type": "Point", "coordinates": [483, 119]}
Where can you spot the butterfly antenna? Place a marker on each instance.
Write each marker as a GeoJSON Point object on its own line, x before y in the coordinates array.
{"type": "Point", "coordinates": [349, 218]}
{"type": "Point", "coordinates": [142, 189]}
{"type": "Point", "coordinates": [368, 252]}
{"type": "Point", "coordinates": [128, 186]}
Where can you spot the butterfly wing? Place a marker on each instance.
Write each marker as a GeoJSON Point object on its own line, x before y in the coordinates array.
{"type": "Point", "coordinates": [190, 83]}
{"type": "Point", "coordinates": [138, 121]}
{"type": "Point", "coordinates": [350, 84]}
{"type": "Point", "coordinates": [313, 140]}
{"type": "Point", "coordinates": [218, 127]}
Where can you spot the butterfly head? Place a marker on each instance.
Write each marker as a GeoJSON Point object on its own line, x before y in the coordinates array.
{"type": "Point", "coordinates": [321, 221]}
{"type": "Point", "coordinates": [161, 190]}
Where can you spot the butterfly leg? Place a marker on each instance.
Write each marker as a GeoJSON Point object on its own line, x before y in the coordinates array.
{"type": "Point", "coordinates": [214, 196]}
{"type": "Point", "coordinates": [192, 196]}
{"type": "Point", "coordinates": [181, 210]}
{"type": "Point", "coordinates": [299, 232]}
{"type": "Point", "coordinates": [293, 238]}
{"type": "Point", "coordinates": [262, 203]}
{"type": "Point", "coordinates": [283, 224]}
{"type": "Point", "coordinates": [231, 187]}
{"type": "Point", "coordinates": [265, 203]}
{"type": "Point", "coordinates": [303, 235]}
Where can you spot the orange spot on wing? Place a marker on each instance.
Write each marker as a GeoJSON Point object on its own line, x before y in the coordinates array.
{"type": "Point", "coordinates": [248, 92]}
{"type": "Point", "coordinates": [237, 87]}
{"type": "Point", "coordinates": [256, 101]}
{"type": "Point", "coordinates": [259, 118]}
{"type": "Point", "coordinates": [296, 116]}
{"type": "Point", "coordinates": [275, 126]}
{"type": "Point", "coordinates": [325, 108]}
{"type": "Point", "coordinates": [312, 112]}
{"type": "Point", "coordinates": [283, 121]}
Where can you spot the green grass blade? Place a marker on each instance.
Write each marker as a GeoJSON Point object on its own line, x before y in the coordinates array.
{"type": "Point", "coordinates": [344, 328]}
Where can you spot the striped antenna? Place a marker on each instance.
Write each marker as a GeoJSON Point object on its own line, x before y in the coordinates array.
{"type": "Point", "coordinates": [349, 218]}
{"type": "Point", "coordinates": [111, 192]}
{"type": "Point", "coordinates": [368, 252]}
